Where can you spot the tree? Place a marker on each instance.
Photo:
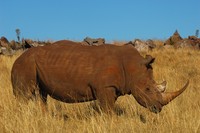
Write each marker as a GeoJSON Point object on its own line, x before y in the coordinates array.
{"type": "Point", "coordinates": [18, 34]}
{"type": "Point", "coordinates": [197, 33]}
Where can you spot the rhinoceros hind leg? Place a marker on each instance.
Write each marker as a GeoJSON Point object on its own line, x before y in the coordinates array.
{"type": "Point", "coordinates": [43, 99]}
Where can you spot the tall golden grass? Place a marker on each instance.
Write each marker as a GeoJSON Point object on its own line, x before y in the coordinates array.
{"type": "Point", "coordinates": [180, 116]}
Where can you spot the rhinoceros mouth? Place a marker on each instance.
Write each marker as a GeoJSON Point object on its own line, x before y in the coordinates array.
{"type": "Point", "coordinates": [155, 109]}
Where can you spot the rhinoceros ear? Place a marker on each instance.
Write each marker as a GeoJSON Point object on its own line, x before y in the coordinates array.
{"type": "Point", "coordinates": [148, 61]}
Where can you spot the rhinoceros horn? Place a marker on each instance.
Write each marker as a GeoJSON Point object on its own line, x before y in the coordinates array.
{"type": "Point", "coordinates": [169, 96]}
{"type": "Point", "coordinates": [161, 87]}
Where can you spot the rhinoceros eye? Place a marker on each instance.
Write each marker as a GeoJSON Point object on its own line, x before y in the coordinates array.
{"type": "Point", "coordinates": [147, 89]}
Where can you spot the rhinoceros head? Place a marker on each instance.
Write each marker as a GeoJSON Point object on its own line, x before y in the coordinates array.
{"type": "Point", "coordinates": [150, 94]}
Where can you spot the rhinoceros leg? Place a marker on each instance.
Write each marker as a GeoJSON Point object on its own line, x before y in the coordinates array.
{"type": "Point", "coordinates": [107, 98]}
{"type": "Point", "coordinates": [23, 77]}
{"type": "Point", "coordinates": [43, 99]}
{"type": "Point", "coordinates": [24, 83]}
{"type": "Point", "coordinates": [41, 95]}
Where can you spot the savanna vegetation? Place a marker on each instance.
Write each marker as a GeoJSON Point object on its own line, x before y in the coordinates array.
{"type": "Point", "coordinates": [182, 115]}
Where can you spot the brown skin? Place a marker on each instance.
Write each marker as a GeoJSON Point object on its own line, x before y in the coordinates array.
{"type": "Point", "coordinates": [73, 73]}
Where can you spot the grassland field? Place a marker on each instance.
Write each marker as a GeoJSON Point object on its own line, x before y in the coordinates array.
{"type": "Point", "coordinates": [182, 115]}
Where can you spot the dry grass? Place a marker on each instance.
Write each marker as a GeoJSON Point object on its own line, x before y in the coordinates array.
{"type": "Point", "coordinates": [181, 115]}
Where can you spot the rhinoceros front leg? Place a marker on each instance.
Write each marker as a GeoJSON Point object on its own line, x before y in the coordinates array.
{"type": "Point", "coordinates": [107, 98]}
